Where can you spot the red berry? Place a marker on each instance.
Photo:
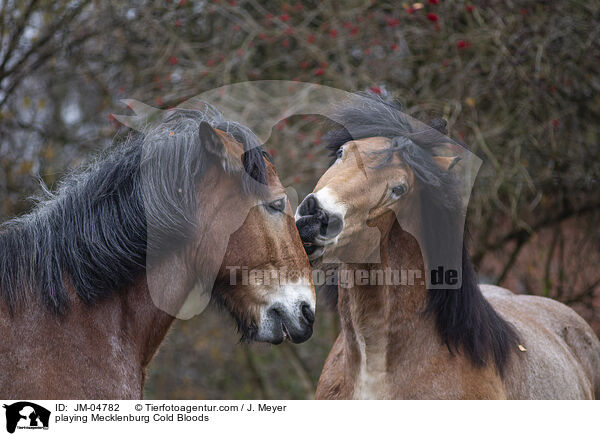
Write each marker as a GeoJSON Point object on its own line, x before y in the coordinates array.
{"type": "Point", "coordinates": [392, 22]}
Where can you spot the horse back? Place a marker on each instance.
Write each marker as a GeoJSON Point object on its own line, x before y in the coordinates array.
{"type": "Point", "coordinates": [559, 353]}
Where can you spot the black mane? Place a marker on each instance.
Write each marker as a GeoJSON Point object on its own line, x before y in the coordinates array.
{"type": "Point", "coordinates": [465, 320]}
{"type": "Point", "coordinates": [93, 231]}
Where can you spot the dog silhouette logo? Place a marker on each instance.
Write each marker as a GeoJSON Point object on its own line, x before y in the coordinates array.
{"type": "Point", "coordinates": [26, 415]}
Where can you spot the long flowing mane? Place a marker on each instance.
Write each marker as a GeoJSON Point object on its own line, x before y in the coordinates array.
{"type": "Point", "coordinates": [92, 232]}
{"type": "Point", "coordinates": [465, 320]}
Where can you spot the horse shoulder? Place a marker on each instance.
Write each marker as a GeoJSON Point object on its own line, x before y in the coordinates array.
{"type": "Point", "coordinates": [560, 353]}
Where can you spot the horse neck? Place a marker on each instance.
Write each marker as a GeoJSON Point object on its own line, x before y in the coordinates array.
{"type": "Point", "coordinates": [147, 324]}
{"type": "Point", "coordinates": [128, 321]}
{"type": "Point", "coordinates": [384, 319]}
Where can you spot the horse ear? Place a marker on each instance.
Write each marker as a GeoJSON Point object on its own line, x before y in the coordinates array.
{"type": "Point", "coordinates": [446, 163]}
{"type": "Point", "coordinates": [211, 141]}
{"type": "Point", "coordinates": [439, 124]}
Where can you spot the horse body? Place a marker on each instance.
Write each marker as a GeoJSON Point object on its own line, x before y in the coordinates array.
{"type": "Point", "coordinates": [562, 357]}
{"type": "Point", "coordinates": [92, 279]}
{"type": "Point", "coordinates": [390, 201]}
{"type": "Point", "coordinates": [387, 348]}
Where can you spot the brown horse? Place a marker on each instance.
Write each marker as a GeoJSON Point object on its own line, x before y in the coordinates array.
{"type": "Point", "coordinates": [92, 278]}
{"type": "Point", "coordinates": [400, 340]}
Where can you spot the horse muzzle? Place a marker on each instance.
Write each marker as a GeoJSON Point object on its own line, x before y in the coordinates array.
{"type": "Point", "coordinates": [282, 321]}
{"type": "Point", "coordinates": [317, 226]}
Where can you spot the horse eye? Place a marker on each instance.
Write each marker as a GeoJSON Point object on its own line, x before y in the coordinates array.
{"type": "Point", "coordinates": [339, 153]}
{"type": "Point", "coordinates": [276, 206]}
{"type": "Point", "coordinates": [399, 190]}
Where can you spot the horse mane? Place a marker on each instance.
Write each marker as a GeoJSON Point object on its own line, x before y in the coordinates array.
{"type": "Point", "coordinates": [465, 320]}
{"type": "Point", "coordinates": [93, 231]}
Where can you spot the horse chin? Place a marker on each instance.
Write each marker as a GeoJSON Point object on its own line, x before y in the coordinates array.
{"type": "Point", "coordinates": [249, 333]}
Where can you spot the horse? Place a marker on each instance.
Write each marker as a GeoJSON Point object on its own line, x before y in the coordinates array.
{"type": "Point", "coordinates": [93, 277]}
{"type": "Point", "coordinates": [405, 340]}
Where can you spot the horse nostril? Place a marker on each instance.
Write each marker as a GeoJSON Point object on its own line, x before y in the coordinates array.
{"type": "Point", "coordinates": [334, 225]}
{"type": "Point", "coordinates": [331, 224]}
{"type": "Point", "coordinates": [311, 205]}
{"type": "Point", "coordinates": [308, 314]}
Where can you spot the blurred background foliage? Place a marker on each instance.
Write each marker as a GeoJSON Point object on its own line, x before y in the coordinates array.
{"type": "Point", "coordinates": [518, 82]}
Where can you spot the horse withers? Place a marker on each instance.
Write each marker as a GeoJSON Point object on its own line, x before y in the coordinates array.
{"type": "Point", "coordinates": [92, 279]}
{"type": "Point", "coordinates": [388, 197]}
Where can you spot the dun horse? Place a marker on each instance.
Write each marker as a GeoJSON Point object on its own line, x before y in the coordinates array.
{"type": "Point", "coordinates": [77, 317]}
{"type": "Point", "coordinates": [403, 341]}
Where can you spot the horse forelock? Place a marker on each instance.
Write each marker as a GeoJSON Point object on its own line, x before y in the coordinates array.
{"type": "Point", "coordinates": [92, 233]}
